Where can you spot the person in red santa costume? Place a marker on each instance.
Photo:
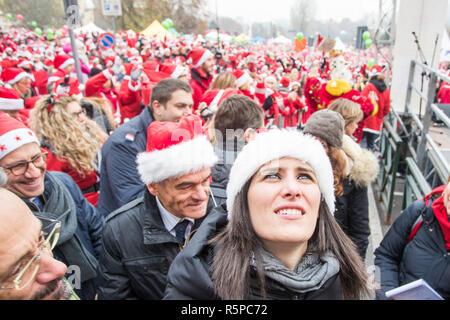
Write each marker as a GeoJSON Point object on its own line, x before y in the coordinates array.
{"type": "Point", "coordinates": [272, 102]}
{"type": "Point", "coordinates": [377, 91]}
{"type": "Point", "coordinates": [102, 85]}
{"type": "Point", "coordinates": [294, 108]}
{"type": "Point", "coordinates": [202, 61]}
{"type": "Point", "coordinates": [63, 66]}
{"type": "Point", "coordinates": [319, 95]}
{"type": "Point", "coordinates": [244, 82]}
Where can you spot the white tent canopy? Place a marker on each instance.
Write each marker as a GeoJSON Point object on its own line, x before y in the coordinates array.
{"type": "Point", "coordinates": [281, 40]}
{"type": "Point", "coordinates": [212, 36]}
{"type": "Point", "coordinates": [90, 27]}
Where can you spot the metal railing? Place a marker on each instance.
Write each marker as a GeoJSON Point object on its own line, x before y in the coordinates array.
{"type": "Point", "coordinates": [407, 147]}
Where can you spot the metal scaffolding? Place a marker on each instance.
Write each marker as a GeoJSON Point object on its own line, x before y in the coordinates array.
{"type": "Point", "coordinates": [384, 33]}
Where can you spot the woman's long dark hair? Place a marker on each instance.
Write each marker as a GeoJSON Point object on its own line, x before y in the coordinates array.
{"type": "Point", "coordinates": [236, 243]}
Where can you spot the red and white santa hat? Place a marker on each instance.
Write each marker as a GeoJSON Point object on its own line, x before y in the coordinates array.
{"type": "Point", "coordinates": [198, 56]}
{"type": "Point", "coordinates": [14, 75]}
{"type": "Point", "coordinates": [375, 70]}
{"type": "Point", "coordinates": [214, 97]}
{"type": "Point", "coordinates": [10, 99]}
{"type": "Point", "coordinates": [13, 135]}
{"type": "Point", "coordinates": [173, 70]}
{"type": "Point", "coordinates": [242, 77]}
{"type": "Point", "coordinates": [276, 144]}
{"type": "Point", "coordinates": [62, 61]}
{"type": "Point", "coordinates": [175, 149]}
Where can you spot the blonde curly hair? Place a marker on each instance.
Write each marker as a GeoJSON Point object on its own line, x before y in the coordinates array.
{"type": "Point", "coordinates": [70, 141]}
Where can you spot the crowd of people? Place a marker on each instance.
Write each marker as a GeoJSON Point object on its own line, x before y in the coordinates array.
{"type": "Point", "coordinates": [187, 169]}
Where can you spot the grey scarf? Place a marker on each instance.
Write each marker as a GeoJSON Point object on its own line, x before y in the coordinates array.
{"type": "Point", "coordinates": [61, 206]}
{"type": "Point", "coordinates": [309, 275]}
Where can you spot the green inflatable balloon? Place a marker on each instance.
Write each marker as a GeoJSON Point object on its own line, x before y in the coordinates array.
{"type": "Point", "coordinates": [9, 16]}
{"type": "Point", "coordinates": [49, 31]}
{"type": "Point", "coordinates": [34, 24]}
{"type": "Point", "coordinates": [366, 35]}
{"type": "Point", "coordinates": [370, 63]}
{"type": "Point", "coordinates": [59, 34]}
{"type": "Point", "coordinates": [38, 31]}
{"type": "Point", "coordinates": [368, 42]}
{"type": "Point", "coordinates": [300, 36]}
{"type": "Point", "coordinates": [169, 23]}
{"type": "Point", "coordinates": [165, 25]}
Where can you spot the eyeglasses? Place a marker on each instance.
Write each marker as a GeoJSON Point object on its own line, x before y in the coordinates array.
{"type": "Point", "coordinates": [21, 167]}
{"type": "Point", "coordinates": [79, 113]}
{"type": "Point", "coordinates": [47, 242]}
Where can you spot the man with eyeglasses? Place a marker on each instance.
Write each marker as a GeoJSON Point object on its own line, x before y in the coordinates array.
{"type": "Point", "coordinates": [53, 195]}
{"type": "Point", "coordinates": [28, 270]}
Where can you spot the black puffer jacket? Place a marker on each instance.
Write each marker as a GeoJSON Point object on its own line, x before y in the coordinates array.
{"type": "Point", "coordinates": [353, 215]}
{"type": "Point", "coordinates": [137, 252]}
{"type": "Point", "coordinates": [190, 274]}
{"type": "Point", "coordinates": [425, 257]}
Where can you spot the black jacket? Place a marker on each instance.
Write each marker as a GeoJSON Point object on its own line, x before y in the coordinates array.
{"type": "Point", "coordinates": [352, 213]}
{"type": "Point", "coordinates": [425, 257]}
{"type": "Point", "coordinates": [190, 275]}
{"type": "Point", "coordinates": [137, 252]}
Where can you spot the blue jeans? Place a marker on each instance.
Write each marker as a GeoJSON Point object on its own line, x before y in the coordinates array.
{"type": "Point", "coordinates": [368, 140]}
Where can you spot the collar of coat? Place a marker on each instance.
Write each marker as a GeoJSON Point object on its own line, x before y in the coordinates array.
{"type": "Point", "coordinates": [365, 167]}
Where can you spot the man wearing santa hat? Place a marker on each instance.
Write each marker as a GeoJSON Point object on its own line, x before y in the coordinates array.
{"type": "Point", "coordinates": [171, 99]}
{"type": "Point", "coordinates": [52, 195]}
{"type": "Point", "coordinates": [10, 102]}
{"type": "Point", "coordinates": [141, 239]}
{"type": "Point", "coordinates": [202, 61]}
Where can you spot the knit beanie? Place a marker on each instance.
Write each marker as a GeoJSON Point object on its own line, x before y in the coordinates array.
{"type": "Point", "coordinates": [276, 144]}
{"type": "Point", "coordinates": [328, 125]}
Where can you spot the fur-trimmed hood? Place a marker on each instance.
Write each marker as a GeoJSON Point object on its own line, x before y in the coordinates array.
{"type": "Point", "coordinates": [365, 167]}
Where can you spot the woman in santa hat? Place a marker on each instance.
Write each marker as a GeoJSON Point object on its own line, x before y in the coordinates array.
{"type": "Point", "coordinates": [276, 237]}
{"type": "Point", "coordinates": [75, 152]}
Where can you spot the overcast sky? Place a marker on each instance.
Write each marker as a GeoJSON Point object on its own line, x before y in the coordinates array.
{"type": "Point", "coordinates": [266, 10]}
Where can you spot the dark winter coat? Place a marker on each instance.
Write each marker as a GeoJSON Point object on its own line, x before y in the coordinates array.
{"type": "Point", "coordinates": [425, 257]}
{"type": "Point", "coordinates": [190, 274]}
{"type": "Point", "coordinates": [352, 208]}
{"type": "Point", "coordinates": [120, 182]}
{"type": "Point", "coordinates": [352, 213]}
{"type": "Point", "coordinates": [89, 225]}
{"type": "Point", "coordinates": [137, 252]}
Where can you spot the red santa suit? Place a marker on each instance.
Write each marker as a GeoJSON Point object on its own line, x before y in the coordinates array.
{"type": "Point", "coordinates": [443, 95]}
{"type": "Point", "coordinates": [335, 89]}
{"type": "Point", "coordinates": [377, 91]}
{"type": "Point", "coordinates": [94, 87]}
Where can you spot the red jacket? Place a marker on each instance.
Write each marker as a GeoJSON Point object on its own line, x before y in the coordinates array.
{"type": "Point", "coordinates": [56, 164]}
{"type": "Point", "coordinates": [200, 83]}
{"type": "Point", "coordinates": [383, 100]}
{"type": "Point", "coordinates": [129, 99]}
{"type": "Point", "coordinates": [443, 95]}
{"type": "Point", "coordinates": [292, 111]}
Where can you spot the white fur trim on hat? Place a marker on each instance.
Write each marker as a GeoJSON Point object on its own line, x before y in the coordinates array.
{"type": "Point", "coordinates": [206, 55]}
{"type": "Point", "coordinates": [11, 104]}
{"type": "Point", "coordinates": [19, 77]}
{"type": "Point", "coordinates": [67, 63]}
{"type": "Point", "coordinates": [176, 161]}
{"type": "Point", "coordinates": [277, 144]}
{"type": "Point", "coordinates": [14, 139]}
{"type": "Point", "coordinates": [243, 79]}
{"type": "Point", "coordinates": [178, 72]}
